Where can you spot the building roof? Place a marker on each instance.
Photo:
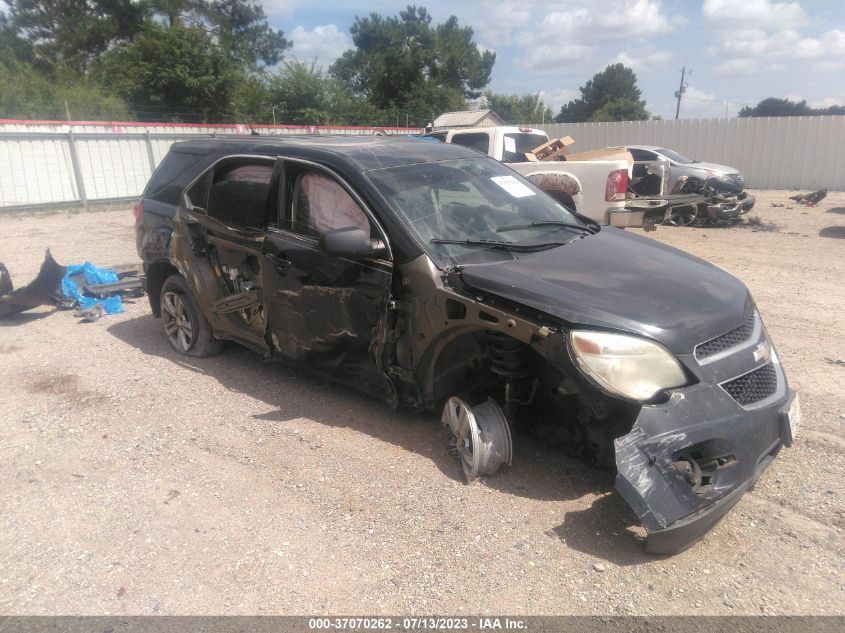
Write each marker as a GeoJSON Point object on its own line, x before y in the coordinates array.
{"type": "Point", "coordinates": [465, 118]}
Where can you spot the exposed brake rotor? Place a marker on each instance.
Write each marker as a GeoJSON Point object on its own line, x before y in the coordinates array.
{"type": "Point", "coordinates": [482, 436]}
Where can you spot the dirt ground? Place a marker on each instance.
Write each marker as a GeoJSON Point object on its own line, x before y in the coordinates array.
{"type": "Point", "coordinates": [134, 481]}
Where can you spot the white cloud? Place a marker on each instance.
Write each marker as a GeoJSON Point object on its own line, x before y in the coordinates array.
{"type": "Point", "coordinates": [573, 33]}
{"type": "Point", "coordinates": [827, 102]}
{"type": "Point", "coordinates": [756, 42]}
{"type": "Point", "coordinates": [701, 104]}
{"type": "Point", "coordinates": [699, 95]}
{"type": "Point", "coordinates": [325, 43]}
{"type": "Point", "coordinates": [829, 67]}
{"type": "Point", "coordinates": [746, 66]}
{"type": "Point", "coordinates": [502, 20]}
{"type": "Point", "coordinates": [831, 43]}
{"type": "Point", "coordinates": [642, 60]}
{"type": "Point", "coordinates": [552, 56]}
{"type": "Point", "coordinates": [761, 13]}
{"type": "Point", "coordinates": [555, 99]}
{"type": "Point", "coordinates": [646, 16]}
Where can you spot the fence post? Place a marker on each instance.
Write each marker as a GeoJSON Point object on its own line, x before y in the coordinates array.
{"type": "Point", "coordinates": [77, 172]}
{"type": "Point", "coordinates": [150, 152]}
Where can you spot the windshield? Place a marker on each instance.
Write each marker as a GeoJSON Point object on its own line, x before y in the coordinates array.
{"type": "Point", "coordinates": [517, 144]}
{"type": "Point", "coordinates": [478, 201]}
{"type": "Point", "coordinates": [675, 156]}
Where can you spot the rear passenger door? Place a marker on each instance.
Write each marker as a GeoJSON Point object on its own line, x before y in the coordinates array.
{"type": "Point", "coordinates": [323, 309]}
{"type": "Point", "coordinates": [227, 213]}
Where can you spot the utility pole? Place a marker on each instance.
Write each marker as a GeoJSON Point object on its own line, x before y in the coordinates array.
{"type": "Point", "coordinates": [681, 90]}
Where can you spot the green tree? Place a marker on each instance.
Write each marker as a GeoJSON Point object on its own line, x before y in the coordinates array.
{"type": "Point", "coordinates": [28, 94]}
{"type": "Point", "coordinates": [517, 109]}
{"type": "Point", "coordinates": [611, 95]}
{"type": "Point", "coordinates": [784, 107]}
{"type": "Point", "coordinates": [67, 35]}
{"type": "Point", "coordinates": [304, 95]}
{"type": "Point", "coordinates": [242, 30]}
{"type": "Point", "coordinates": [401, 62]}
{"type": "Point", "coordinates": [174, 73]}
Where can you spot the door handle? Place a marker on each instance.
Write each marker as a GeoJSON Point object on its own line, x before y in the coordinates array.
{"type": "Point", "coordinates": [279, 261]}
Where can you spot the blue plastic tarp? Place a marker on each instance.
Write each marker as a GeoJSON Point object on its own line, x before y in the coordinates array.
{"type": "Point", "coordinates": [93, 275]}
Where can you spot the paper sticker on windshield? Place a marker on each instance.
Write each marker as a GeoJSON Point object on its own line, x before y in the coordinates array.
{"type": "Point", "coordinates": [512, 186]}
{"type": "Point", "coordinates": [510, 145]}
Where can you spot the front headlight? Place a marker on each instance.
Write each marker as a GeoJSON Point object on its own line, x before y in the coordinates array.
{"type": "Point", "coordinates": [626, 365]}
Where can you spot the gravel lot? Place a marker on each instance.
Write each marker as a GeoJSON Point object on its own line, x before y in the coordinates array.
{"type": "Point", "coordinates": [134, 481]}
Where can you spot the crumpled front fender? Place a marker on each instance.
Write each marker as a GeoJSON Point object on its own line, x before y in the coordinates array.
{"type": "Point", "coordinates": [701, 424]}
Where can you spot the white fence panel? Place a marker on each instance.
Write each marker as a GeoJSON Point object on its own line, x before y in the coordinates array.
{"type": "Point", "coordinates": [772, 152]}
{"type": "Point", "coordinates": [52, 163]}
{"type": "Point", "coordinates": [35, 171]}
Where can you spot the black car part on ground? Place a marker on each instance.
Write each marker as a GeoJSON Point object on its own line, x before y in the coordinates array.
{"type": "Point", "coordinates": [38, 292]}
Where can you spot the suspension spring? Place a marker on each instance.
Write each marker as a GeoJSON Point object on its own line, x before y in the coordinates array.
{"type": "Point", "coordinates": [506, 355]}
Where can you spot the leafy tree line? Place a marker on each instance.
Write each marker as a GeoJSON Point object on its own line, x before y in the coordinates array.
{"type": "Point", "coordinates": [220, 60]}
{"type": "Point", "coordinates": [784, 107]}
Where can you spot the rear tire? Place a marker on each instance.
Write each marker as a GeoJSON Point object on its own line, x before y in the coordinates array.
{"type": "Point", "coordinates": [187, 329]}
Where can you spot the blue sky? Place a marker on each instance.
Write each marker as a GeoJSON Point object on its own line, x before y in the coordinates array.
{"type": "Point", "coordinates": [741, 51]}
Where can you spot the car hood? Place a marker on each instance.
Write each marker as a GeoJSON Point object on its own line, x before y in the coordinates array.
{"type": "Point", "coordinates": [721, 169]}
{"type": "Point", "coordinates": [621, 281]}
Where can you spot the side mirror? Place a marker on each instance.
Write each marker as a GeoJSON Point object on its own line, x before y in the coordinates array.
{"type": "Point", "coordinates": [350, 242]}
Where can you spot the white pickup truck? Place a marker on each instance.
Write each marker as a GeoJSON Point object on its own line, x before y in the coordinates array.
{"type": "Point", "coordinates": [594, 188]}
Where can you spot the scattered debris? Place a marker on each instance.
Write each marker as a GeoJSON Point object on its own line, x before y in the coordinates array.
{"type": "Point", "coordinates": [756, 224]}
{"type": "Point", "coordinates": [834, 361]}
{"type": "Point", "coordinates": [92, 314]}
{"type": "Point", "coordinates": [100, 293]}
{"type": "Point", "coordinates": [810, 199]}
{"type": "Point", "coordinates": [92, 276]}
{"type": "Point", "coordinates": [37, 293]}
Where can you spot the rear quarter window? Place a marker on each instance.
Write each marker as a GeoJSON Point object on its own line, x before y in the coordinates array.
{"type": "Point", "coordinates": [172, 176]}
{"type": "Point", "coordinates": [476, 140]}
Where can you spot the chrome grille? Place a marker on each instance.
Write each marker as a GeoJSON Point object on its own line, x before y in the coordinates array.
{"type": "Point", "coordinates": [726, 341]}
{"type": "Point", "coordinates": [753, 386]}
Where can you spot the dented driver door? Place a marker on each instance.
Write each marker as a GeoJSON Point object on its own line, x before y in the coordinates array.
{"type": "Point", "coordinates": [325, 310]}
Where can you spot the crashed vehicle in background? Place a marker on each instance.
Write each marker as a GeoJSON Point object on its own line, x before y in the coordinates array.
{"type": "Point", "coordinates": [595, 187]}
{"type": "Point", "coordinates": [435, 278]}
{"type": "Point", "coordinates": [658, 171]}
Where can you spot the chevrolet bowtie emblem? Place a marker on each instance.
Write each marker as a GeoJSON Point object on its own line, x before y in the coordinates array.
{"type": "Point", "coordinates": [763, 351]}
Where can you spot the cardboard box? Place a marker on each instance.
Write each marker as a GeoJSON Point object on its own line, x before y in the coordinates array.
{"type": "Point", "coordinates": [556, 149]}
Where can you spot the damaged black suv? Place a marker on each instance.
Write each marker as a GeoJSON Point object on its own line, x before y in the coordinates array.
{"type": "Point", "coordinates": [435, 278]}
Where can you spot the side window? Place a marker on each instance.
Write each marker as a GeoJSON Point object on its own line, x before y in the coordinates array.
{"type": "Point", "coordinates": [238, 193]}
{"type": "Point", "coordinates": [475, 140]}
{"type": "Point", "coordinates": [318, 203]}
{"type": "Point", "coordinates": [198, 194]}
{"type": "Point", "coordinates": [641, 155]}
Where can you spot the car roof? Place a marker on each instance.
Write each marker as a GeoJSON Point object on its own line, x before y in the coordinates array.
{"type": "Point", "coordinates": [360, 153]}
{"type": "Point", "coordinates": [650, 148]}
{"type": "Point", "coordinates": [505, 129]}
